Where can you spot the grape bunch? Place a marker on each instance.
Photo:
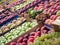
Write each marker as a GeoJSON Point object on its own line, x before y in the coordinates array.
{"type": "Point", "coordinates": [48, 39]}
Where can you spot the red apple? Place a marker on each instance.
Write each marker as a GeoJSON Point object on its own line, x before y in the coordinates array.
{"type": "Point", "coordinates": [12, 43]}
{"type": "Point", "coordinates": [20, 40]}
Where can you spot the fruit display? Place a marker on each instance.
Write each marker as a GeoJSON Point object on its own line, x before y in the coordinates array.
{"type": "Point", "coordinates": [17, 7]}
{"type": "Point", "coordinates": [49, 7]}
{"type": "Point", "coordinates": [4, 14]}
{"type": "Point", "coordinates": [7, 18]}
{"type": "Point", "coordinates": [17, 32]}
{"type": "Point", "coordinates": [13, 24]}
{"type": "Point", "coordinates": [27, 38]}
{"type": "Point", "coordinates": [32, 13]}
{"type": "Point", "coordinates": [14, 3]}
{"type": "Point", "coordinates": [47, 39]}
{"type": "Point", "coordinates": [38, 22]}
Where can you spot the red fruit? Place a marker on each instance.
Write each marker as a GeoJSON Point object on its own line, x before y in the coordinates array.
{"type": "Point", "coordinates": [18, 43]}
{"type": "Point", "coordinates": [45, 31]}
{"type": "Point", "coordinates": [26, 36]}
{"type": "Point", "coordinates": [36, 35]}
{"type": "Point", "coordinates": [52, 10]}
{"type": "Point", "coordinates": [20, 40]}
{"type": "Point", "coordinates": [40, 4]}
{"type": "Point", "coordinates": [12, 43]}
{"type": "Point", "coordinates": [39, 33]}
{"type": "Point", "coordinates": [57, 0]}
{"type": "Point", "coordinates": [46, 2]}
{"type": "Point", "coordinates": [30, 40]}
{"type": "Point", "coordinates": [49, 11]}
{"type": "Point", "coordinates": [55, 6]}
{"type": "Point", "coordinates": [52, 3]}
{"type": "Point", "coordinates": [45, 11]}
{"type": "Point", "coordinates": [42, 28]}
{"type": "Point", "coordinates": [55, 16]}
{"type": "Point", "coordinates": [32, 34]}
{"type": "Point", "coordinates": [35, 8]}
{"type": "Point", "coordinates": [52, 17]}
{"type": "Point", "coordinates": [24, 43]}
{"type": "Point", "coordinates": [38, 29]}
{"type": "Point", "coordinates": [58, 7]}
{"type": "Point", "coordinates": [25, 40]}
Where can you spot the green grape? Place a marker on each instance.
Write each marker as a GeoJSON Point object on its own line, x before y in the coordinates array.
{"type": "Point", "coordinates": [48, 39]}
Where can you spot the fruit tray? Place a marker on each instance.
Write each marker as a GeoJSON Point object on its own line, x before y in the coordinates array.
{"type": "Point", "coordinates": [30, 36]}
{"type": "Point", "coordinates": [7, 19]}
{"type": "Point", "coordinates": [50, 11]}
{"type": "Point", "coordinates": [19, 11]}
{"type": "Point", "coordinates": [11, 25]}
{"type": "Point", "coordinates": [2, 21]}
{"type": "Point", "coordinates": [5, 13]}
{"type": "Point", "coordinates": [17, 31]}
{"type": "Point", "coordinates": [23, 9]}
{"type": "Point", "coordinates": [15, 3]}
{"type": "Point", "coordinates": [34, 28]}
{"type": "Point", "coordinates": [18, 4]}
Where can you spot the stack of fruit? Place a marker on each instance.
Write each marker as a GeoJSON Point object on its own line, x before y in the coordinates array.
{"type": "Point", "coordinates": [53, 18]}
{"type": "Point", "coordinates": [42, 35]}
{"type": "Point", "coordinates": [4, 14]}
{"type": "Point", "coordinates": [17, 7]}
{"type": "Point", "coordinates": [27, 38]}
{"type": "Point", "coordinates": [49, 7]}
{"type": "Point", "coordinates": [14, 3]}
{"type": "Point", "coordinates": [47, 39]}
{"type": "Point", "coordinates": [13, 24]}
{"type": "Point", "coordinates": [16, 32]}
{"type": "Point", "coordinates": [11, 15]}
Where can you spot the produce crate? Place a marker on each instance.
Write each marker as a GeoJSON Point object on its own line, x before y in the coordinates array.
{"type": "Point", "coordinates": [31, 30]}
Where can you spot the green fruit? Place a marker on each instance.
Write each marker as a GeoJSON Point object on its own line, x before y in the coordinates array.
{"type": "Point", "coordinates": [58, 13]}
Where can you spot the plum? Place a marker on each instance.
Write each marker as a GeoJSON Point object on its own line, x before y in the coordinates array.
{"type": "Point", "coordinates": [38, 33]}
{"type": "Point", "coordinates": [25, 40]}
{"type": "Point", "coordinates": [12, 43]}
{"type": "Point", "coordinates": [20, 40]}
{"type": "Point", "coordinates": [30, 40]}
{"type": "Point", "coordinates": [26, 36]}
{"type": "Point", "coordinates": [32, 34]}
{"type": "Point", "coordinates": [24, 43]}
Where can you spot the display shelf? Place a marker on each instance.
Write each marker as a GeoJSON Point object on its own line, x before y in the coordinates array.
{"type": "Point", "coordinates": [19, 30]}
{"type": "Point", "coordinates": [7, 18]}
{"type": "Point", "coordinates": [15, 3]}
{"type": "Point", "coordinates": [44, 21]}
{"type": "Point", "coordinates": [19, 4]}
{"type": "Point", "coordinates": [19, 11]}
{"type": "Point", "coordinates": [14, 40]}
{"type": "Point", "coordinates": [30, 5]}
{"type": "Point", "coordinates": [14, 14]}
{"type": "Point", "coordinates": [12, 28]}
